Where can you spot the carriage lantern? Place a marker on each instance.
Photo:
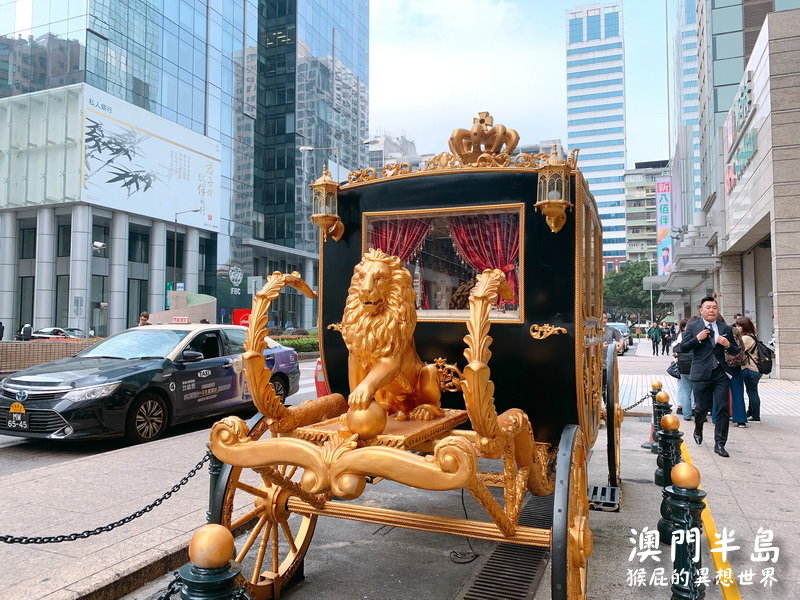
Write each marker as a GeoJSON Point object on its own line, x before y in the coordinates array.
{"type": "Point", "coordinates": [553, 194]}
{"type": "Point", "coordinates": [325, 209]}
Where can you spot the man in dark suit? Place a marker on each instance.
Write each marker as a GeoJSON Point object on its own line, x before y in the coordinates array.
{"type": "Point", "coordinates": [708, 340]}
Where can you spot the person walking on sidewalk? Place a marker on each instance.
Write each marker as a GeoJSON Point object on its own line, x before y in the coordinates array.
{"type": "Point", "coordinates": [666, 337]}
{"type": "Point", "coordinates": [738, 413]}
{"type": "Point", "coordinates": [708, 340]}
{"type": "Point", "coordinates": [654, 333]}
{"type": "Point", "coordinates": [684, 360]}
{"type": "Point", "coordinates": [750, 373]}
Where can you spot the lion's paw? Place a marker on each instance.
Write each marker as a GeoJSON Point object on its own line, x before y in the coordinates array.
{"type": "Point", "coordinates": [426, 412]}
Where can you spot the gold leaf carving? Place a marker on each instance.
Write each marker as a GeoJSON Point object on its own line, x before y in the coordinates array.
{"type": "Point", "coordinates": [540, 332]}
{"type": "Point", "coordinates": [367, 174]}
{"type": "Point", "coordinates": [395, 169]}
{"type": "Point", "coordinates": [443, 160]}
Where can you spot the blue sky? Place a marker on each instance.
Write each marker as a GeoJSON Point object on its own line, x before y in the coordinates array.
{"type": "Point", "coordinates": [435, 64]}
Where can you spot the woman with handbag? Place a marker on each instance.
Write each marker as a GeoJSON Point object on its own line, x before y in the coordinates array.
{"type": "Point", "coordinates": [684, 361]}
{"type": "Point", "coordinates": [738, 413]}
{"type": "Point", "coordinates": [750, 372]}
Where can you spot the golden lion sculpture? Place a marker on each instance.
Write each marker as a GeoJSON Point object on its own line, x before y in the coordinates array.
{"type": "Point", "coordinates": [378, 329]}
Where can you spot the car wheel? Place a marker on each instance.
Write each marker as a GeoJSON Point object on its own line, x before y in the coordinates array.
{"type": "Point", "coordinates": [147, 418]}
{"type": "Point", "coordinates": [279, 384]}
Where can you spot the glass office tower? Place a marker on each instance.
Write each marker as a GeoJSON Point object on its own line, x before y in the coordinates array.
{"type": "Point", "coordinates": [596, 114]}
{"type": "Point", "coordinates": [200, 108]}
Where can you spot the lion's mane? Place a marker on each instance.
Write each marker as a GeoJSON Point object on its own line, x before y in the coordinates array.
{"type": "Point", "coordinates": [370, 336]}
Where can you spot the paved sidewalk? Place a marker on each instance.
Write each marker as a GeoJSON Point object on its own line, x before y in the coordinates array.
{"type": "Point", "coordinates": [757, 487]}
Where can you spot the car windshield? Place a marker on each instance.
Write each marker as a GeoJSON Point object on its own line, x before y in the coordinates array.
{"type": "Point", "coordinates": [622, 328]}
{"type": "Point", "coordinates": [137, 343]}
{"type": "Point", "coordinates": [75, 331]}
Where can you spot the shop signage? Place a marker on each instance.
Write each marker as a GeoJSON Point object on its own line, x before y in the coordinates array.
{"type": "Point", "coordinates": [739, 143]}
{"type": "Point", "coordinates": [664, 223]}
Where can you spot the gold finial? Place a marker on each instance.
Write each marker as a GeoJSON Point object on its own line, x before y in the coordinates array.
{"type": "Point", "coordinates": [555, 159]}
{"type": "Point", "coordinates": [211, 547]}
{"type": "Point", "coordinates": [662, 396]}
{"type": "Point", "coordinates": [670, 423]}
{"type": "Point", "coordinates": [685, 475]}
{"type": "Point", "coordinates": [656, 385]}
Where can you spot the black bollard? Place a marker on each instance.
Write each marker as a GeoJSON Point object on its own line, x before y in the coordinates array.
{"type": "Point", "coordinates": [661, 407]}
{"type": "Point", "coordinates": [685, 502]}
{"type": "Point", "coordinates": [214, 470]}
{"type": "Point", "coordinates": [669, 449]}
{"type": "Point", "coordinates": [211, 574]}
{"type": "Point", "coordinates": [655, 387]}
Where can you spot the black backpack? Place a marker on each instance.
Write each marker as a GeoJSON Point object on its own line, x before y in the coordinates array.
{"type": "Point", "coordinates": [762, 356]}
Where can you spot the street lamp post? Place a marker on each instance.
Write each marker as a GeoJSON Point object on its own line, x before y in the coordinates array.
{"type": "Point", "coordinates": [650, 280]}
{"type": "Point", "coordinates": [175, 248]}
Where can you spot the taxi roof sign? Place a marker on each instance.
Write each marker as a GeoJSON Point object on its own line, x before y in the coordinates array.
{"type": "Point", "coordinates": [180, 319]}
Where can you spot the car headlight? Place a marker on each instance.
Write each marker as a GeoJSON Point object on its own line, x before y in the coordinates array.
{"type": "Point", "coordinates": [91, 393]}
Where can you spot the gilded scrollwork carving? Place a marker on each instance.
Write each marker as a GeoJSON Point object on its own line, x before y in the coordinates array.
{"type": "Point", "coordinates": [493, 160]}
{"type": "Point", "coordinates": [362, 175]}
{"type": "Point", "coordinates": [477, 386]}
{"type": "Point", "coordinates": [402, 168]}
{"type": "Point", "coordinates": [540, 332]}
{"type": "Point", "coordinates": [531, 161]}
{"type": "Point", "coordinates": [449, 375]}
{"type": "Point", "coordinates": [572, 161]}
{"type": "Point", "coordinates": [442, 161]}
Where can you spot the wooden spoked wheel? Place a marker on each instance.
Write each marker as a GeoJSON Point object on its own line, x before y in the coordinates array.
{"type": "Point", "coordinates": [271, 540]}
{"type": "Point", "coordinates": [614, 416]}
{"type": "Point", "coordinates": [572, 536]}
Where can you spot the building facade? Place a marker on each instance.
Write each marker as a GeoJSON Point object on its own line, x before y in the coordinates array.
{"type": "Point", "coordinates": [739, 246]}
{"type": "Point", "coordinates": [596, 113]}
{"type": "Point", "coordinates": [147, 147]}
{"type": "Point", "coordinates": [640, 209]}
{"type": "Point", "coordinates": [685, 125]}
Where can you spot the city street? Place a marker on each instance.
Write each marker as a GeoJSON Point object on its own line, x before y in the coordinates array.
{"type": "Point", "coordinates": [20, 454]}
{"type": "Point", "coordinates": [756, 487]}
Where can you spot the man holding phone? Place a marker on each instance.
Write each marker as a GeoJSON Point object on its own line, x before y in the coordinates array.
{"type": "Point", "coordinates": [709, 340]}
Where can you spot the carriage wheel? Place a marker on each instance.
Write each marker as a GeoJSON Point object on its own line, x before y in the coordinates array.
{"type": "Point", "coordinates": [275, 539]}
{"type": "Point", "coordinates": [572, 537]}
{"type": "Point", "coordinates": [614, 416]}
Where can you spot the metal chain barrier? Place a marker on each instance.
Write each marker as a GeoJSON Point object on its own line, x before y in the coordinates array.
{"type": "Point", "coordinates": [71, 537]}
{"type": "Point", "coordinates": [635, 404]}
{"type": "Point", "coordinates": [172, 588]}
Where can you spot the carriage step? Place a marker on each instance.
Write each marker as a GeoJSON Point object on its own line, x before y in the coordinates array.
{"type": "Point", "coordinates": [513, 571]}
{"type": "Point", "coordinates": [604, 497]}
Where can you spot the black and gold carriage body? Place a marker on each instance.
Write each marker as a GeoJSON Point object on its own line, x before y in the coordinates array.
{"type": "Point", "coordinates": [499, 265]}
{"type": "Point", "coordinates": [556, 380]}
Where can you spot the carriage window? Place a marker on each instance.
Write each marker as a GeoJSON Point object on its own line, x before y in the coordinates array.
{"type": "Point", "coordinates": [444, 249]}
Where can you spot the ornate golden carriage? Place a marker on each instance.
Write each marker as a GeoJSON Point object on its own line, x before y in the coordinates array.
{"type": "Point", "coordinates": [459, 319]}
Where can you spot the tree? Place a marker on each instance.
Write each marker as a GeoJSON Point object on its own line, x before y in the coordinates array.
{"type": "Point", "coordinates": [624, 294]}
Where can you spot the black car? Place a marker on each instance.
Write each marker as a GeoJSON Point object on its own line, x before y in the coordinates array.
{"type": "Point", "coordinates": [137, 383]}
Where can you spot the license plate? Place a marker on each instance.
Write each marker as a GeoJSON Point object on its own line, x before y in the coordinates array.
{"type": "Point", "coordinates": [17, 417]}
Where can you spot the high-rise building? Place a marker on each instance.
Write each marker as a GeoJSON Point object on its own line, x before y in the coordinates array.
{"type": "Point", "coordinates": [596, 113]}
{"type": "Point", "coordinates": [640, 209]}
{"type": "Point", "coordinates": [686, 180]}
{"type": "Point", "coordinates": [738, 246]}
{"type": "Point", "coordinates": [170, 135]}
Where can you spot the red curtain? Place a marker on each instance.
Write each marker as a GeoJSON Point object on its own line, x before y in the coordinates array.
{"type": "Point", "coordinates": [402, 238]}
{"type": "Point", "coordinates": [489, 242]}
{"type": "Point", "coordinates": [399, 237]}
